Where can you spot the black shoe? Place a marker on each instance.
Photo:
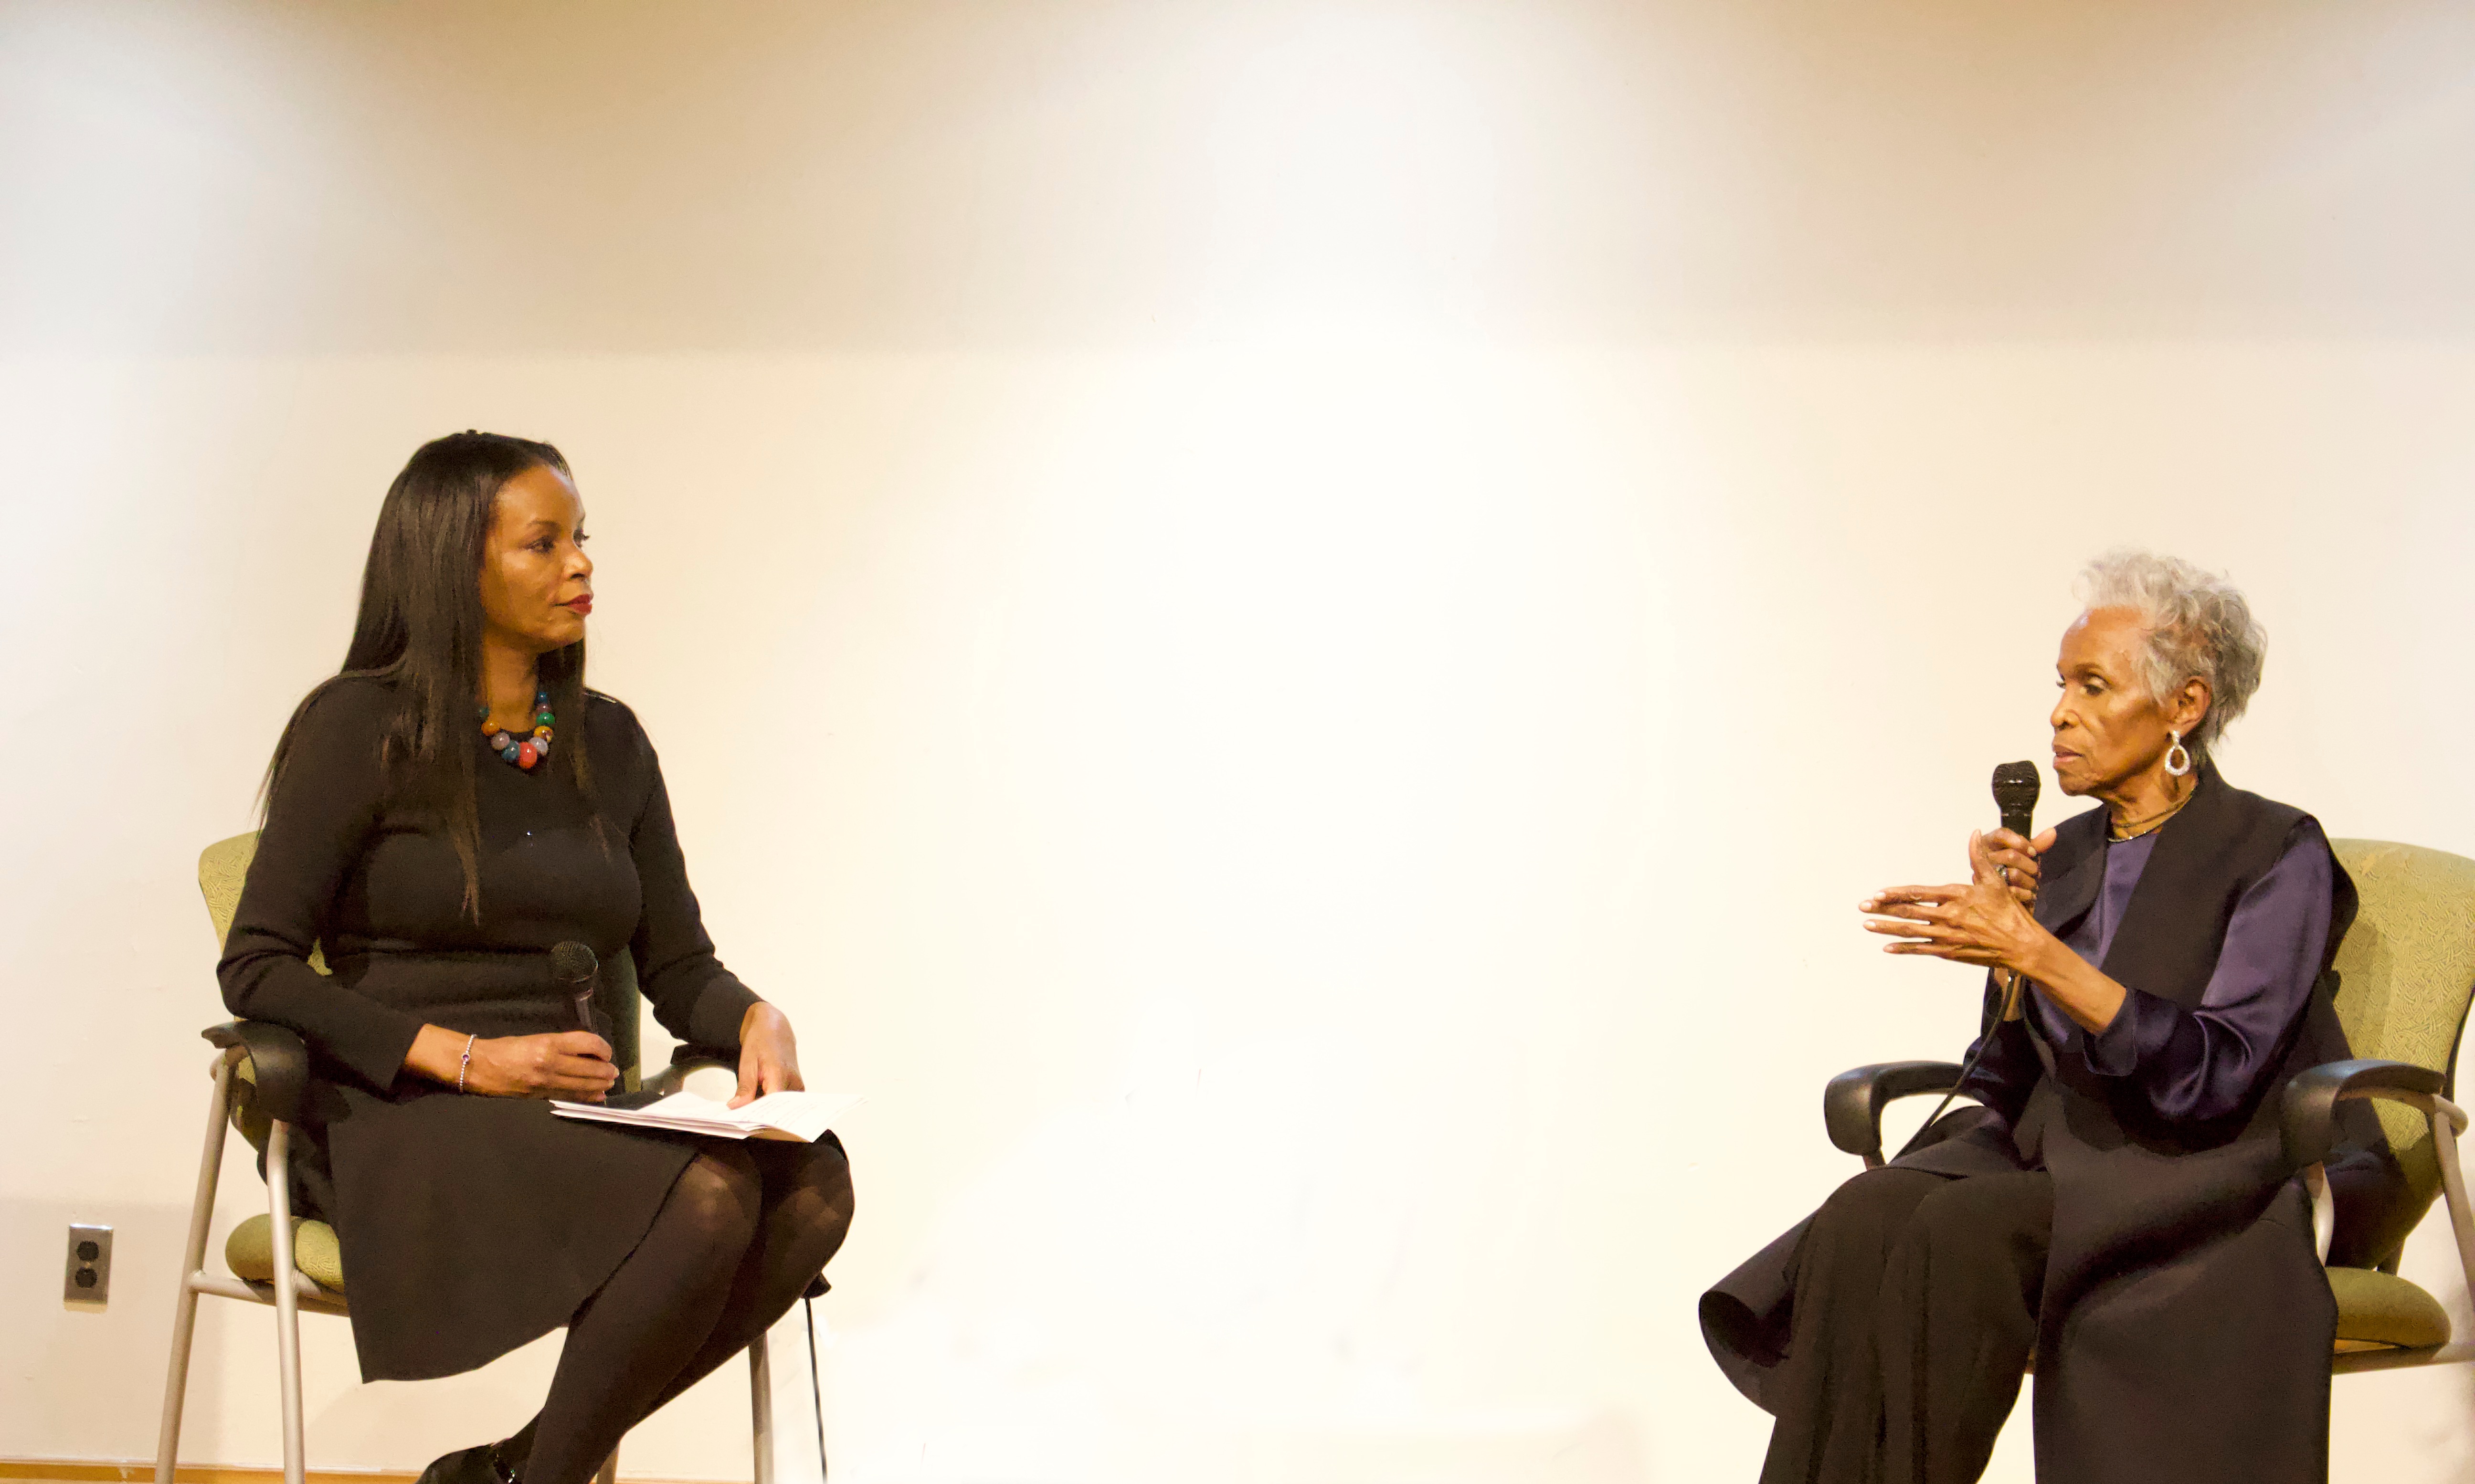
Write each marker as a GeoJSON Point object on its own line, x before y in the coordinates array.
{"type": "Point", "coordinates": [476, 1465]}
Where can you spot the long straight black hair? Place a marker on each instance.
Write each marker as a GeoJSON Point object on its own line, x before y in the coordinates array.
{"type": "Point", "coordinates": [420, 630]}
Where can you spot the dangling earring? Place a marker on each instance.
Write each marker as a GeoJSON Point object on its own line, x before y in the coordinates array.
{"type": "Point", "coordinates": [2177, 749]}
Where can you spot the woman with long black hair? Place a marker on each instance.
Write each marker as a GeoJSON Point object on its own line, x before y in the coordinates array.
{"type": "Point", "coordinates": [440, 813]}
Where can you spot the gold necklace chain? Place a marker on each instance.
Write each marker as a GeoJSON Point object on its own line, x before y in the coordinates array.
{"type": "Point", "coordinates": [2154, 822]}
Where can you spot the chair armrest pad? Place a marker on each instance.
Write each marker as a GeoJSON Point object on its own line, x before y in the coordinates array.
{"type": "Point", "coordinates": [278, 1062]}
{"type": "Point", "coordinates": [691, 1058]}
{"type": "Point", "coordinates": [1853, 1101]}
{"type": "Point", "coordinates": [2308, 1119]}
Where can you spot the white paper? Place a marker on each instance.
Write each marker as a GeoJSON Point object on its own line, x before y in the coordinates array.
{"type": "Point", "coordinates": [802, 1117]}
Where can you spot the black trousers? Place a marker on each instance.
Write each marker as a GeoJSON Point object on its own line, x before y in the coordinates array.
{"type": "Point", "coordinates": [1915, 1315]}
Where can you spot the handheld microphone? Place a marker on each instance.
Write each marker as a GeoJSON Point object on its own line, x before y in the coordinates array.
{"type": "Point", "coordinates": [573, 967]}
{"type": "Point", "coordinates": [2015, 796]}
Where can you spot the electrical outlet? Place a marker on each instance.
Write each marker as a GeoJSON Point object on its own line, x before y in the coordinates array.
{"type": "Point", "coordinates": [87, 1283]}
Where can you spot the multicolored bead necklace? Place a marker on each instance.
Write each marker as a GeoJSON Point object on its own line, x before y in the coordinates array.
{"type": "Point", "coordinates": [523, 751]}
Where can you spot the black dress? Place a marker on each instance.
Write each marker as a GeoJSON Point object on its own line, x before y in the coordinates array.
{"type": "Point", "coordinates": [468, 1225]}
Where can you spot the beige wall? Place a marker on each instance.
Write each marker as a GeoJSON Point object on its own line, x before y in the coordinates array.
{"type": "Point", "coordinates": [1289, 631]}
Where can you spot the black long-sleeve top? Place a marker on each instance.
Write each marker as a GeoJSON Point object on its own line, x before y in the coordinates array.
{"type": "Point", "coordinates": [342, 865]}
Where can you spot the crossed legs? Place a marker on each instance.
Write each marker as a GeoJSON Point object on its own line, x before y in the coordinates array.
{"type": "Point", "coordinates": [742, 1232]}
{"type": "Point", "coordinates": [1916, 1310]}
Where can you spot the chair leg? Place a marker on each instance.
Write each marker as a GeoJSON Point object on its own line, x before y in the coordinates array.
{"type": "Point", "coordinates": [760, 1406]}
{"type": "Point", "coordinates": [193, 1259]}
{"type": "Point", "coordinates": [2453, 1182]}
{"type": "Point", "coordinates": [2324, 1209]}
{"type": "Point", "coordinates": [287, 1308]}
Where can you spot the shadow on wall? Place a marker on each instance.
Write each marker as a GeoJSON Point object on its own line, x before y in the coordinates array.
{"type": "Point", "coordinates": [1227, 1268]}
{"type": "Point", "coordinates": [85, 1353]}
{"type": "Point", "coordinates": [121, 1354]}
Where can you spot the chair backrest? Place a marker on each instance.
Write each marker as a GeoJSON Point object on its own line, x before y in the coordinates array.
{"type": "Point", "coordinates": [222, 868]}
{"type": "Point", "coordinates": [224, 865]}
{"type": "Point", "coordinates": [2406, 972]}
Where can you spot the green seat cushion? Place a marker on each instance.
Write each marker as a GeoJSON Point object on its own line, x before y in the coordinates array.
{"type": "Point", "coordinates": [250, 1252]}
{"type": "Point", "coordinates": [2376, 1308]}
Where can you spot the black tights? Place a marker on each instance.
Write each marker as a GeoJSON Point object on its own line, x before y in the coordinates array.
{"type": "Point", "coordinates": [742, 1232]}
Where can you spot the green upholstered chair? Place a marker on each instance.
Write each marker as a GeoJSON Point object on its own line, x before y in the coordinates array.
{"type": "Point", "coordinates": [260, 1072]}
{"type": "Point", "coordinates": [2405, 973]}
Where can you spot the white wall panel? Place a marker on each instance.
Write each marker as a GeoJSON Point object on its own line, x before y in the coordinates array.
{"type": "Point", "coordinates": [1289, 631]}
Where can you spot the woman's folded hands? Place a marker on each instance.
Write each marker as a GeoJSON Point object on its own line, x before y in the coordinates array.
{"type": "Point", "coordinates": [1986, 921]}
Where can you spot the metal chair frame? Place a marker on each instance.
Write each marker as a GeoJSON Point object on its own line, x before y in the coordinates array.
{"type": "Point", "coordinates": [289, 1299]}
{"type": "Point", "coordinates": [2448, 1121]}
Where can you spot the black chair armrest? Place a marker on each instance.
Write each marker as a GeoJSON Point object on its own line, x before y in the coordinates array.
{"type": "Point", "coordinates": [691, 1058]}
{"type": "Point", "coordinates": [2308, 1119]}
{"type": "Point", "coordinates": [1853, 1101]}
{"type": "Point", "coordinates": [279, 1064]}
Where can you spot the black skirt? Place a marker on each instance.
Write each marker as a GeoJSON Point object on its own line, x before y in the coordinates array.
{"type": "Point", "coordinates": [471, 1226]}
{"type": "Point", "coordinates": [468, 1225]}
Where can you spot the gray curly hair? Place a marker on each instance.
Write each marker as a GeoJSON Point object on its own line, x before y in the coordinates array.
{"type": "Point", "coordinates": [2199, 625]}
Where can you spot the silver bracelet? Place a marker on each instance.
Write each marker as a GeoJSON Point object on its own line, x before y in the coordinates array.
{"type": "Point", "coordinates": [466, 1065]}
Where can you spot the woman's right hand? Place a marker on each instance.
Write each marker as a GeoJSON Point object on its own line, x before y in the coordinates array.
{"type": "Point", "coordinates": [573, 1065]}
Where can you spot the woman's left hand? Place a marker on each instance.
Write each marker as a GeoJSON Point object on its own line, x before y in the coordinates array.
{"type": "Point", "coordinates": [769, 1057]}
{"type": "Point", "coordinates": [2015, 861]}
{"type": "Point", "coordinates": [1982, 922]}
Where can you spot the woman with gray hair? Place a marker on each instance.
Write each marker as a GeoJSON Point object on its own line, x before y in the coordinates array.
{"type": "Point", "coordinates": [2117, 1207]}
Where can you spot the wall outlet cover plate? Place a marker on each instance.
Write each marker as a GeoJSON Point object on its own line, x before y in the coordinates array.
{"type": "Point", "coordinates": [87, 1282]}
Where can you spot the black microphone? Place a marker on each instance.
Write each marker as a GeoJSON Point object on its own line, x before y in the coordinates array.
{"type": "Point", "coordinates": [573, 967]}
{"type": "Point", "coordinates": [2015, 795]}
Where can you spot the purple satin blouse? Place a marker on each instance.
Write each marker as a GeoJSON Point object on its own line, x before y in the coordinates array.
{"type": "Point", "coordinates": [2196, 1064]}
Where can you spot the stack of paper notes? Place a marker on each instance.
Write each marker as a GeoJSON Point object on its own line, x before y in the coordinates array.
{"type": "Point", "coordinates": [800, 1116]}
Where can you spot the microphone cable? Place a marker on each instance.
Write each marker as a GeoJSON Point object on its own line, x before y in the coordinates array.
{"type": "Point", "coordinates": [2010, 1007]}
{"type": "Point", "coordinates": [816, 1385]}
{"type": "Point", "coordinates": [2015, 798]}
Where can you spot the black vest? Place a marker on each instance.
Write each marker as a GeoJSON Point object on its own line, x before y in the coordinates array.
{"type": "Point", "coordinates": [2216, 849]}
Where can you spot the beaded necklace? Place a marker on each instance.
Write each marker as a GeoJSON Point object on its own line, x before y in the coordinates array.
{"type": "Point", "coordinates": [522, 751]}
